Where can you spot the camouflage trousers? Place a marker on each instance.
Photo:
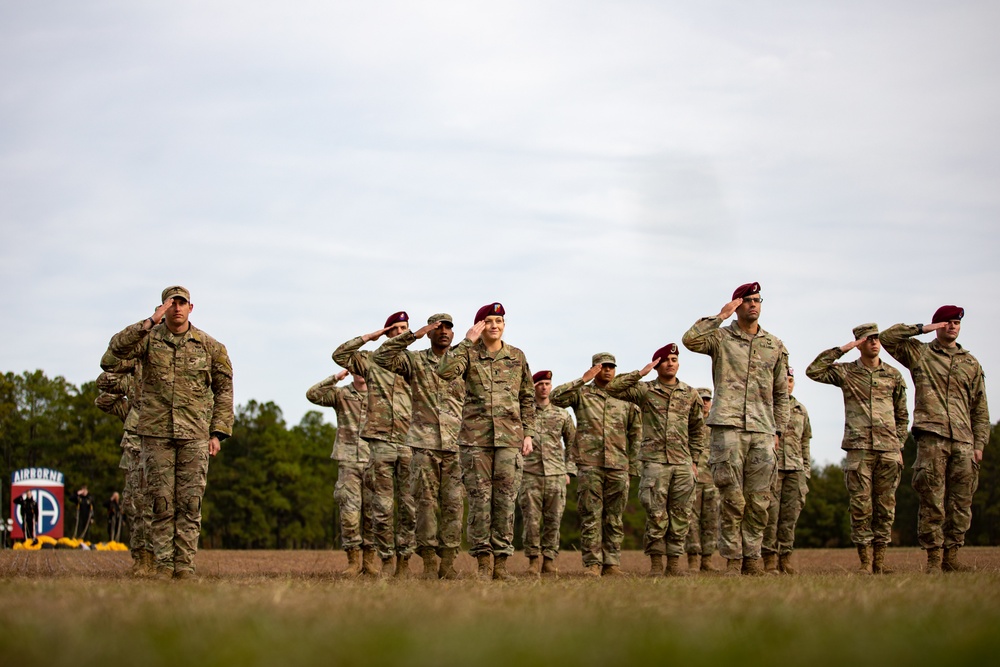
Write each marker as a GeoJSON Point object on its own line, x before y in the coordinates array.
{"type": "Point", "coordinates": [703, 522]}
{"type": "Point", "coordinates": [601, 497]}
{"type": "Point", "coordinates": [665, 493]}
{"type": "Point", "coordinates": [872, 478]}
{"type": "Point", "coordinates": [439, 496]}
{"type": "Point", "coordinates": [743, 467]}
{"type": "Point", "coordinates": [543, 501]}
{"type": "Point", "coordinates": [393, 515]}
{"type": "Point", "coordinates": [788, 496]}
{"type": "Point", "coordinates": [945, 477]}
{"type": "Point", "coordinates": [176, 477]}
{"type": "Point", "coordinates": [492, 477]}
{"type": "Point", "coordinates": [135, 499]}
{"type": "Point", "coordinates": [352, 500]}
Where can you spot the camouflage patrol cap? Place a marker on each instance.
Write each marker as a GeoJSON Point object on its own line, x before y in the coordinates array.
{"type": "Point", "coordinates": [541, 375]}
{"type": "Point", "coordinates": [603, 358]}
{"type": "Point", "coordinates": [705, 393]}
{"type": "Point", "coordinates": [863, 331]}
{"type": "Point", "coordinates": [175, 290]}
{"type": "Point", "coordinates": [401, 316]}
{"type": "Point", "coordinates": [947, 314]}
{"type": "Point", "coordinates": [441, 317]}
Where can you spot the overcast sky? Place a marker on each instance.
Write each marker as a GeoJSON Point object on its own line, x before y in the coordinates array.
{"type": "Point", "coordinates": [608, 171]}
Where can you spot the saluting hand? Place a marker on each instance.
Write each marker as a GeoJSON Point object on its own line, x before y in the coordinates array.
{"type": "Point", "coordinates": [476, 331]}
{"type": "Point", "coordinates": [341, 375]}
{"type": "Point", "coordinates": [730, 308]}
{"type": "Point", "coordinates": [423, 331]}
{"type": "Point", "coordinates": [934, 327]}
{"type": "Point", "coordinates": [375, 335]}
{"type": "Point", "coordinates": [650, 366]}
{"type": "Point", "coordinates": [850, 346]}
{"type": "Point", "coordinates": [592, 373]}
{"type": "Point", "coordinates": [161, 312]}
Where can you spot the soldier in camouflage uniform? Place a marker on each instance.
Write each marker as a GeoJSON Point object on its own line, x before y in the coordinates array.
{"type": "Point", "coordinates": [951, 424]}
{"type": "Point", "coordinates": [750, 411]}
{"type": "Point", "coordinates": [673, 432]}
{"type": "Point", "coordinates": [120, 396]}
{"type": "Point", "coordinates": [875, 430]}
{"type": "Point", "coordinates": [703, 524]}
{"type": "Point", "coordinates": [387, 475]}
{"type": "Point", "coordinates": [187, 411]}
{"type": "Point", "coordinates": [546, 475]}
{"type": "Point", "coordinates": [433, 436]}
{"type": "Point", "coordinates": [351, 454]}
{"type": "Point", "coordinates": [791, 484]}
{"type": "Point", "coordinates": [605, 451]}
{"type": "Point", "coordinates": [498, 422]}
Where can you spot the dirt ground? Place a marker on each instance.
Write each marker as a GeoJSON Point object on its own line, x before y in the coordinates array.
{"type": "Point", "coordinates": [222, 564]}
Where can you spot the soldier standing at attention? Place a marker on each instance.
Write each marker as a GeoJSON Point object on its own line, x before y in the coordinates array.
{"type": "Point", "coordinates": [673, 432]}
{"type": "Point", "coordinates": [387, 475]}
{"type": "Point", "coordinates": [951, 424]}
{"type": "Point", "coordinates": [433, 436]}
{"type": "Point", "coordinates": [546, 475]}
{"type": "Point", "coordinates": [605, 451]}
{"type": "Point", "coordinates": [351, 454]}
{"type": "Point", "coordinates": [498, 422]}
{"type": "Point", "coordinates": [791, 484]}
{"type": "Point", "coordinates": [875, 428]}
{"type": "Point", "coordinates": [749, 413]}
{"type": "Point", "coordinates": [703, 524]}
{"type": "Point", "coordinates": [187, 411]}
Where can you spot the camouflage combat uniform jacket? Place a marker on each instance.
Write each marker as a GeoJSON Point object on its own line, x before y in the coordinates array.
{"type": "Point", "coordinates": [875, 414]}
{"type": "Point", "coordinates": [750, 375]}
{"type": "Point", "coordinates": [350, 406]}
{"type": "Point", "coordinates": [389, 404]}
{"type": "Point", "coordinates": [437, 404]}
{"type": "Point", "coordinates": [554, 435]}
{"type": "Point", "coordinates": [608, 431]}
{"type": "Point", "coordinates": [499, 408]}
{"type": "Point", "coordinates": [673, 420]}
{"type": "Point", "coordinates": [793, 446]}
{"type": "Point", "coordinates": [187, 382]}
{"type": "Point", "coordinates": [950, 389]}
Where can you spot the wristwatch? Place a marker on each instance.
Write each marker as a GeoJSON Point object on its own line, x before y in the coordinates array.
{"type": "Point", "coordinates": [920, 328]}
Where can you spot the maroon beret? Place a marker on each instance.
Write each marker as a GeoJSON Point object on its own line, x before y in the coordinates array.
{"type": "Point", "coordinates": [541, 375]}
{"type": "Point", "coordinates": [662, 353]}
{"type": "Point", "coordinates": [746, 290]}
{"type": "Point", "coordinates": [488, 310]}
{"type": "Point", "coordinates": [947, 314]}
{"type": "Point", "coordinates": [401, 316]}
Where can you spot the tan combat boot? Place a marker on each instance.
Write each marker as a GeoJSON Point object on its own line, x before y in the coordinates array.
{"type": "Point", "coordinates": [753, 567]}
{"type": "Point", "coordinates": [484, 567]}
{"type": "Point", "coordinates": [163, 573]}
{"type": "Point", "coordinates": [674, 567]}
{"type": "Point", "coordinates": [369, 563]}
{"type": "Point", "coordinates": [532, 565]}
{"type": "Point", "coordinates": [500, 572]}
{"type": "Point", "coordinates": [693, 560]}
{"type": "Point", "coordinates": [431, 564]}
{"type": "Point", "coordinates": [933, 561]}
{"type": "Point", "coordinates": [951, 563]}
{"type": "Point", "coordinates": [611, 571]}
{"type": "Point", "coordinates": [878, 560]}
{"type": "Point", "coordinates": [706, 563]}
{"type": "Point", "coordinates": [402, 566]}
{"type": "Point", "coordinates": [865, 566]}
{"type": "Point", "coordinates": [655, 565]}
{"type": "Point", "coordinates": [447, 568]}
{"type": "Point", "coordinates": [734, 567]}
{"type": "Point", "coordinates": [386, 570]}
{"type": "Point", "coordinates": [186, 575]}
{"type": "Point", "coordinates": [592, 570]}
{"type": "Point", "coordinates": [353, 568]}
{"type": "Point", "coordinates": [785, 563]}
{"type": "Point", "coordinates": [771, 563]}
{"type": "Point", "coordinates": [549, 566]}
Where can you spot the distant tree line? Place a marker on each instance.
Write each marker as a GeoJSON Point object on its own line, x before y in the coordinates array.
{"type": "Point", "coordinates": [271, 487]}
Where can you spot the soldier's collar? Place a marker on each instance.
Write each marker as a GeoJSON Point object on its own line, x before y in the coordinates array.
{"type": "Point", "coordinates": [937, 347]}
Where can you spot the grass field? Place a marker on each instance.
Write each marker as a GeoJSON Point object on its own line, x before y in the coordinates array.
{"type": "Point", "coordinates": [286, 608]}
